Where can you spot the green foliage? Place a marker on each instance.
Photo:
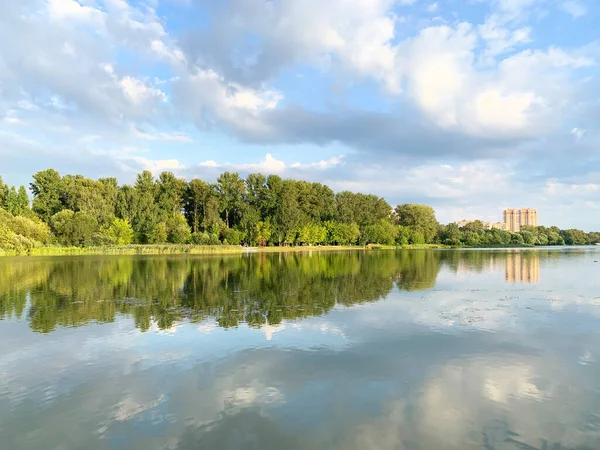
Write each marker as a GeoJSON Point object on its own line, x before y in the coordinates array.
{"type": "Point", "coordinates": [382, 232]}
{"type": "Point", "coordinates": [178, 230]}
{"type": "Point", "coordinates": [361, 209]}
{"type": "Point", "coordinates": [230, 189]}
{"type": "Point", "coordinates": [200, 238]}
{"type": "Point", "coordinates": [256, 211]}
{"type": "Point", "coordinates": [528, 237]}
{"type": "Point", "coordinates": [232, 236]}
{"type": "Point", "coordinates": [342, 233]}
{"type": "Point", "coordinates": [417, 238]}
{"type": "Point", "coordinates": [96, 198]}
{"type": "Point", "coordinates": [119, 232]}
{"type": "Point", "coordinates": [263, 231]}
{"type": "Point", "coordinates": [312, 233]}
{"type": "Point", "coordinates": [420, 218]}
{"type": "Point", "coordinates": [21, 234]}
{"type": "Point", "coordinates": [74, 228]}
{"type": "Point", "coordinates": [47, 190]}
{"type": "Point", "coordinates": [3, 192]}
{"type": "Point", "coordinates": [158, 234]}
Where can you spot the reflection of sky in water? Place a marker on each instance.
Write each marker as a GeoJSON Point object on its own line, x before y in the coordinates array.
{"type": "Point", "coordinates": [474, 362]}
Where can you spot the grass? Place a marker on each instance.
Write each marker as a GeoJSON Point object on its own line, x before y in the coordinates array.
{"type": "Point", "coordinates": [174, 249]}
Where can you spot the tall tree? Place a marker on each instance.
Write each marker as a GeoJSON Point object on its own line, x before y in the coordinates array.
{"type": "Point", "coordinates": [288, 215]}
{"type": "Point", "coordinates": [146, 211]}
{"type": "Point", "coordinates": [420, 218]}
{"type": "Point", "coordinates": [22, 200]}
{"type": "Point", "coordinates": [47, 191]}
{"type": "Point", "coordinates": [197, 197]}
{"type": "Point", "coordinates": [170, 192]}
{"type": "Point", "coordinates": [231, 189]}
{"type": "Point", "coordinates": [126, 203]}
{"type": "Point", "coordinates": [257, 194]}
{"type": "Point", "coordinates": [97, 198]}
{"type": "Point", "coordinates": [3, 192]}
{"type": "Point", "coordinates": [11, 202]}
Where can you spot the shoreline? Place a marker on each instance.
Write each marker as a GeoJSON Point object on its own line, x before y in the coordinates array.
{"type": "Point", "coordinates": [173, 249]}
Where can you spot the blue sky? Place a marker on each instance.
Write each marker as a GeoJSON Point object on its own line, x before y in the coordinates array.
{"type": "Point", "coordinates": [469, 106]}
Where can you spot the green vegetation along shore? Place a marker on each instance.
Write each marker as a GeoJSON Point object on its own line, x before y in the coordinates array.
{"type": "Point", "coordinates": [72, 214]}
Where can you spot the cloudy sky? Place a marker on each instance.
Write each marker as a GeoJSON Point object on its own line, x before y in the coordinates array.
{"type": "Point", "coordinates": [470, 106]}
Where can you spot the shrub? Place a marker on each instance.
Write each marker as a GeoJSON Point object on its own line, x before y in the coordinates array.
{"type": "Point", "coordinates": [119, 232]}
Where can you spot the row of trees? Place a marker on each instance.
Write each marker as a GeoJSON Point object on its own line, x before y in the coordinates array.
{"type": "Point", "coordinates": [73, 210]}
{"type": "Point", "coordinates": [474, 234]}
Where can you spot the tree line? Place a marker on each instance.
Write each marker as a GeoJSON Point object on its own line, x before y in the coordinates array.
{"type": "Point", "coordinates": [73, 210]}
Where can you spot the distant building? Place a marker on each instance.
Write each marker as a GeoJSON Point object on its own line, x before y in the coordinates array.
{"type": "Point", "coordinates": [486, 225]}
{"type": "Point", "coordinates": [514, 219]}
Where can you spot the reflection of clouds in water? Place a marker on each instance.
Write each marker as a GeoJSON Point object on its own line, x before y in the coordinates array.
{"type": "Point", "coordinates": [208, 326]}
{"type": "Point", "coordinates": [128, 408]}
{"type": "Point", "coordinates": [270, 330]}
{"type": "Point", "coordinates": [244, 397]}
{"type": "Point", "coordinates": [324, 327]}
{"type": "Point", "coordinates": [482, 404]}
{"type": "Point", "coordinates": [155, 328]}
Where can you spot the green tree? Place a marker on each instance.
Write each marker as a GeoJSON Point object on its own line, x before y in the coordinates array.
{"type": "Point", "coordinates": [47, 191]}
{"type": "Point", "coordinates": [197, 196]}
{"type": "Point", "coordinates": [3, 192]}
{"type": "Point", "coordinates": [258, 195]}
{"type": "Point", "coordinates": [119, 232]}
{"type": "Point", "coordinates": [231, 189]}
{"type": "Point", "coordinates": [287, 213]}
{"type": "Point", "coordinates": [381, 233]}
{"type": "Point", "coordinates": [158, 234]}
{"type": "Point", "coordinates": [178, 230]}
{"type": "Point", "coordinates": [146, 211]}
{"type": "Point", "coordinates": [312, 233]}
{"type": "Point", "coordinates": [170, 192]}
{"type": "Point", "coordinates": [528, 237]}
{"type": "Point", "coordinates": [263, 231]}
{"type": "Point", "coordinates": [74, 228]}
{"type": "Point", "coordinates": [419, 218]}
{"type": "Point", "coordinates": [126, 203]}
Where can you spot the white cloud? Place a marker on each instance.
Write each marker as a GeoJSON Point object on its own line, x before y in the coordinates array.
{"type": "Point", "coordinates": [575, 8]}
{"type": "Point", "coordinates": [137, 91]}
{"type": "Point", "coordinates": [205, 96]}
{"type": "Point", "coordinates": [433, 7]}
{"type": "Point", "coordinates": [579, 133]}
{"type": "Point", "coordinates": [323, 164]}
{"type": "Point", "coordinates": [71, 10]}
{"type": "Point", "coordinates": [154, 135]}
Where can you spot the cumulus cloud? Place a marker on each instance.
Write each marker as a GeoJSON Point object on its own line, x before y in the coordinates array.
{"type": "Point", "coordinates": [394, 91]}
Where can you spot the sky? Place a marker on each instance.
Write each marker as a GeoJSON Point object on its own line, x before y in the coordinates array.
{"type": "Point", "coordinates": [470, 106]}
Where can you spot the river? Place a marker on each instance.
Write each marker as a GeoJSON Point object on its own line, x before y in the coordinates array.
{"type": "Point", "coordinates": [432, 349]}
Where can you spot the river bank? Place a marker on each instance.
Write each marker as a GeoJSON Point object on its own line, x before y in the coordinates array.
{"type": "Point", "coordinates": [171, 249]}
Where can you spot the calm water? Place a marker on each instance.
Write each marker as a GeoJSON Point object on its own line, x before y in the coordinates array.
{"type": "Point", "coordinates": [350, 350]}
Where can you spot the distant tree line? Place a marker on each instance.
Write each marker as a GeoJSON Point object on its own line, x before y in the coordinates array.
{"type": "Point", "coordinates": [474, 234]}
{"type": "Point", "coordinates": [73, 210]}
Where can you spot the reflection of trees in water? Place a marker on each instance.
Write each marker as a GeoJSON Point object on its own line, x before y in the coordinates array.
{"type": "Point", "coordinates": [256, 289]}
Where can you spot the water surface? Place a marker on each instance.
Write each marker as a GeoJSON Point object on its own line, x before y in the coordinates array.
{"type": "Point", "coordinates": [349, 350]}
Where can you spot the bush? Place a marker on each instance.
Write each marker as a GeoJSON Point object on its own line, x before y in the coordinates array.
{"type": "Point", "coordinates": [178, 230]}
{"type": "Point", "coordinates": [233, 237]}
{"type": "Point", "coordinates": [158, 234]}
{"type": "Point", "coordinates": [32, 229]}
{"type": "Point", "coordinates": [200, 238]}
{"type": "Point", "coordinates": [119, 232]}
